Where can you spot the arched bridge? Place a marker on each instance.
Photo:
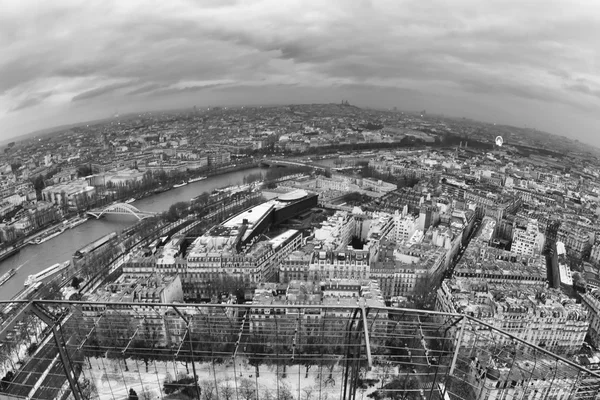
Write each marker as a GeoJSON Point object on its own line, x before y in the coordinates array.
{"type": "Point", "coordinates": [276, 162]}
{"type": "Point", "coordinates": [120, 209]}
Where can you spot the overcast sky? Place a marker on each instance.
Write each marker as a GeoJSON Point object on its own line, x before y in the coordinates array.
{"type": "Point", "coordinates": [525, 63]}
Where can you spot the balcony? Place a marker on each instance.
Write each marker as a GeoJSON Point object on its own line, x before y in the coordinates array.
{"type": "Point", "coordinates": [223, 352]}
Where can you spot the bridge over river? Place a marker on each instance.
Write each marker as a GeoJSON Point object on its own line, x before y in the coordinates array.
{"type": "Point", "coordinates": [120, 209]}
{"type": "Point", "coordinates": [278, 162]}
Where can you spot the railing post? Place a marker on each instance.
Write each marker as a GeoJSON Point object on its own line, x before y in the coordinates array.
{"type": "Point", "coordinates": [66, 365]}
{"type": "Point", "coordinates": [187, 323]}
{"type": "Point", "coordinates": [457, 347]}
{"type": "Point", "coordinates": [366, 332]}
{"type": "Point", "coordinates": [193, 364]}
{"type": "Point", "coordinates": [348, 349]}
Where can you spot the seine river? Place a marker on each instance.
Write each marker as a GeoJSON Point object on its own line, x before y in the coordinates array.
{"type": "Point", "coordinates": [35, 258]}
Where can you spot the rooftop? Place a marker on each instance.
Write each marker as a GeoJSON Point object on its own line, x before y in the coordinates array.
{"type": "Point", "coordinates": [293, 196]}
{"type": "Point", "coordinates": [281, 239]}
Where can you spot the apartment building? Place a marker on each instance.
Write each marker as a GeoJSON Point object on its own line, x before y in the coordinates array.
{"type": "Point", "coordinates": [527, 241]}
{"type": "Point", "coordinates": [544, 317]}
{"type": "Point", "coordinates": [336, 232]}
{"type": "Point", "coordinates": [270, 299]}
{"type": "Point", "coordinates": [578, 239]}
{"type": "Point", "coordinates": [591, 301]}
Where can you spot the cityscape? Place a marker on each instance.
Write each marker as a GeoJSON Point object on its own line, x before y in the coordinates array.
{"type": "Point", "coordinates": [300, 200]}
{"type": "Point", "coordinates": [299, 221]}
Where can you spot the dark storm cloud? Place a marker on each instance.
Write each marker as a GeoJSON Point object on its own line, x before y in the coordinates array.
{"type": "Point", "coordinates": [233, 88]}
{"type": "Point", "coordinates": [16, 72]}
{"type": "Point", "coordinates": [531, 93]}
{"type": "Point", "coordinates": [145, 89]}
{"type": "Point", "coordinates": [102, 90]}
{"type": "Point", "coordinates": [32, 100]}
{"type": "Point", "coordinates": [79, 69]}
{"type": "Point", "coordinates": [186, 89]}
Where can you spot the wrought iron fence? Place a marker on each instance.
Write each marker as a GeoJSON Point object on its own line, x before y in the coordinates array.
{"type": "Point", "coordinates": [82, 350]}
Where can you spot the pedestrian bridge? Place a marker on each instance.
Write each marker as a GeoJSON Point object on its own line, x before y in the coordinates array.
{"type": "Point", "coordinates": [276, 162]}
{"type": "Point", "coordinates": [120, 209]}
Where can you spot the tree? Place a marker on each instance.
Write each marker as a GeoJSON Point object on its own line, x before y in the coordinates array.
{"type": "Point", "coordinates": [403, 388]}
{"type": "Point", "coordinates": [15, 166]}
{"type": "Point", "coordinates": [89, 391]}
{"type": "Point", "coordinates": [51, 291]}
{"type": "Point", "coordinates": [209, 391]}
{"type": "Point", "coordinates": [38, 183]}
{"type": "Point", "coordinates": [6, 354]}
{"type": "Point", "coordinates": [132, 395]}
{"type": "Point", "coordinates": [177, 211]}
{"type": "Point", "coordinates": [425, 291]}
{"type": "Point", "coordinates": [285, 393]}
{"type": "Point", "coordinates": [75, 282]}
{"type": "Point", "coordinates": [6, 380]}
{"type": "Point", "coordinates": [84, 170]}
{"type": "Point", "coordinates": [146, 395]}
{"type": "Point", "coordinates": [257, 352]}
{"type": "Point", "coordinates": [247, 389]}
{"type": "Point", "coordinates": [192, 389]}
{"type": "Point", "coordinates": [353, 198]}
{"type": "Point", "coordinates": [227, 391]}
{"type": "Point", "coordinates": [310, 353]}
{"type": "Point", "coordinates": [143, 348]}
{"type": "Point", "coordinates": [308, 392]}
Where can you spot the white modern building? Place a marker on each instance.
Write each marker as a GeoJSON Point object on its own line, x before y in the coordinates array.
{"type": "Point", "coordinates": [527, 241]}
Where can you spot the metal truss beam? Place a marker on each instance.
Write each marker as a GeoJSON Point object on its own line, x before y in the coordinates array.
{"type": "Point", "coordinates": [365, 326]}
{"type": "Point", "coordinates": [45, 316]}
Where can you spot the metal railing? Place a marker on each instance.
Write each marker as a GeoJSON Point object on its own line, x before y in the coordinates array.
{"type": "Point", "coordinates": [276, 351]}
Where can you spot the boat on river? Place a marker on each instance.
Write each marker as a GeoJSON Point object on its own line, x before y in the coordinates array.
{"type": "Point", "coordinates": [77, 221]}
{"type": "Point", "coordinates": [180, 184]}
{"type": "Point", "coordinates": [50, 235]}
{"type": "Point", "coordinates": [47, 274]}
{"type": "Point", "coordinates": [9, 274]}
{"type": "Point", "coordinates": [161, 189]}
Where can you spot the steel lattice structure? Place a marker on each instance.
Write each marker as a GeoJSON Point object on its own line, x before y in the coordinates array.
{"type": "Point", "coordinates": [251, 352]}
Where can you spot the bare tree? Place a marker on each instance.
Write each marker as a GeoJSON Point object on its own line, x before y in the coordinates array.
{"type": "Point", "coordinates": [386, 370]}
{"type": "Point", "coordinates": [268, 395]}
{"type": "Point", "coordinates": [308, 392]}
{"type": "Point", "coordinates": [247, 389]}
{"type": "Point", "coordinates": [209, 391]}
{"type": "Point", "coordinates": [89, 390]}
{"type": "Point", "coordinates": [285, 393]}
{"type": "Point", "coordinates": [5, 356]}
{"type": "Point", "coordinates": [146, 395]}
{"type": "Point", "coordinates": [226, 390]}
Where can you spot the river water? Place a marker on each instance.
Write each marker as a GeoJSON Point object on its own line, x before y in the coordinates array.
{"type": "Point", "coordinates": [34, 258]}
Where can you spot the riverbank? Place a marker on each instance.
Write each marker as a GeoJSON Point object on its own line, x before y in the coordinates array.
{"type": "Point", "coordinates": [33, 259]}
{"type": "Point", "coordinates": [10, 251]}
{"type": "Point", "coordinates": [56, 229]}
{"type": "Point", "coordinates": [207, 174]}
